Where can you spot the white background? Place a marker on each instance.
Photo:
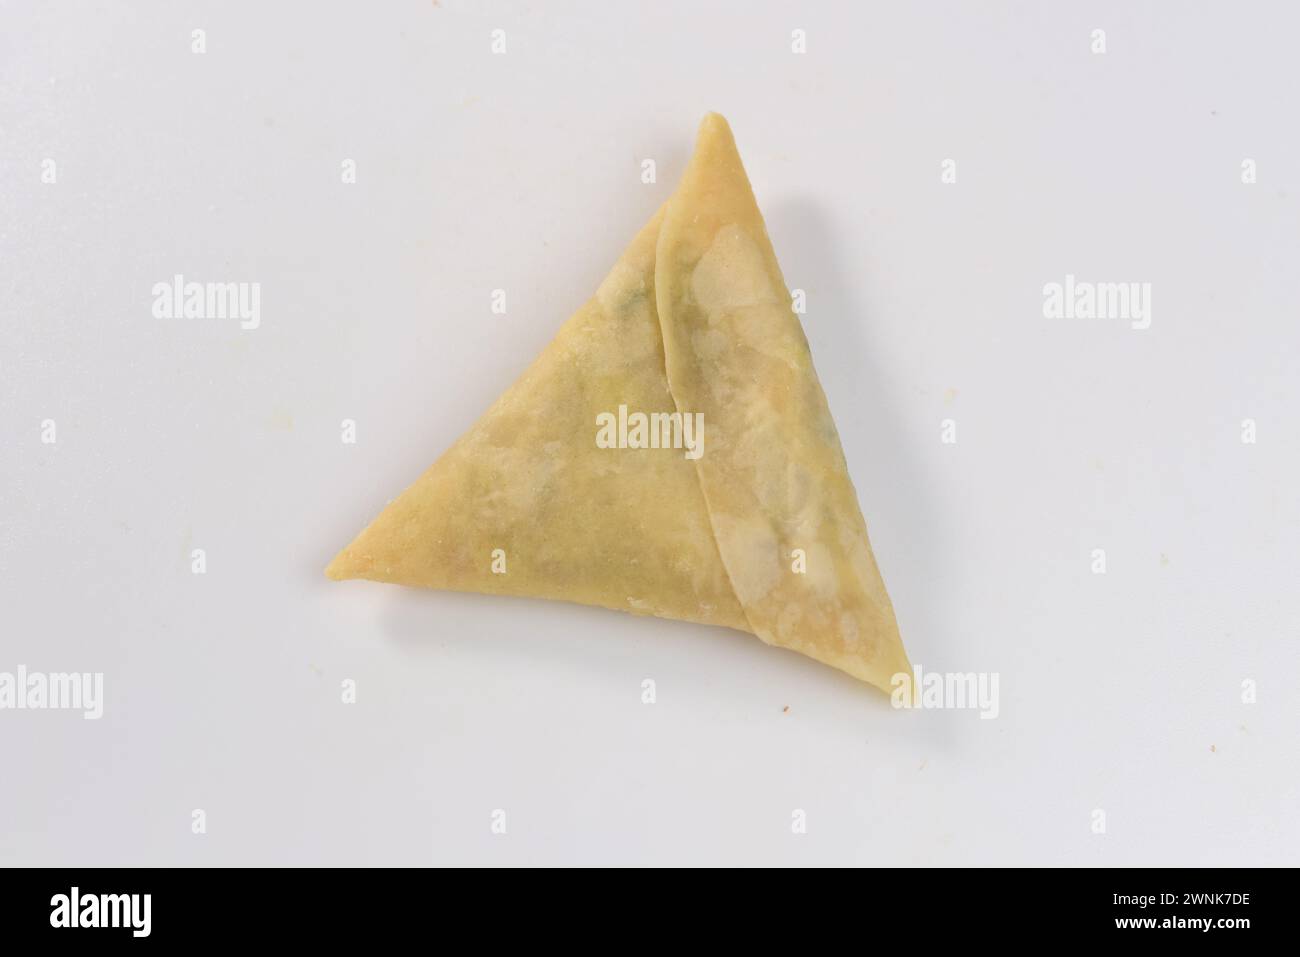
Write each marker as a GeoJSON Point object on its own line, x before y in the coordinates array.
{"type": "Point", "coordinates": [521, 171]}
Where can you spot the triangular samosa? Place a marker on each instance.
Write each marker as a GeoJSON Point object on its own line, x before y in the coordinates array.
{"type": "Point", "coordinates": [751, 522]}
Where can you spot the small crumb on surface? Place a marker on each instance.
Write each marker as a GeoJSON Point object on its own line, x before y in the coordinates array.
{"type": "Point", "coordinates": [785, 710]}
{"type": "Point", "coordinates": [1211, 747]}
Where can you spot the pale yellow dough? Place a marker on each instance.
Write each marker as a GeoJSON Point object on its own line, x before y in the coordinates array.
{"type": "Point", "coordinates": [695, 317]}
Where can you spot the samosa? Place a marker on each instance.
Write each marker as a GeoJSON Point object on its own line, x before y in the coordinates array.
{"type": "Point", "coordinates": [760, 531]}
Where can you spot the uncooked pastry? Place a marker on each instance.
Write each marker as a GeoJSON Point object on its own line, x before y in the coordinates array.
{"type": "Point", "coordinates": [761, 532]}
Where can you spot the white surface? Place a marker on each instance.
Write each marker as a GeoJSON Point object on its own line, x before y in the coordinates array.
{"type": "Point", "coordinates": [478, 171]}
